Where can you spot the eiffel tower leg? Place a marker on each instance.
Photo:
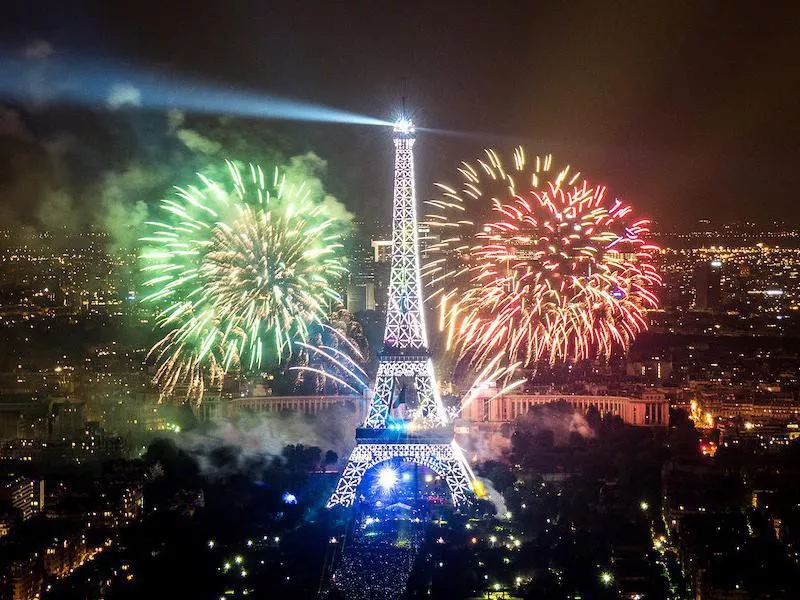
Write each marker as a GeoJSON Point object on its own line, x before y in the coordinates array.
{"type": "Point", "coordinates": [454, 471]}
{"type": "Point", "coordinates": [430, 405]}
{"type": "Point", "coordinates": [445, 460]}
{"type": "Point", "coordinates": [346, 487]}
{"type": "Point", "coordinates": [382, 399]}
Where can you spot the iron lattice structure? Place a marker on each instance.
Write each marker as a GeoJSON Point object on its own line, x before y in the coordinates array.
{"type": "Point", "coordinates": [444, 459]}
{"type": "Point", "coordinates": [405, 319]}
{"type": "Point", "coordinates": [405, 363]}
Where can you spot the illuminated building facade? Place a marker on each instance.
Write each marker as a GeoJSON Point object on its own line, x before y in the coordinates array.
{"type": "Point", "coordinates": [651, 410]}
{"type": "Point", "coordinates": [210, 410]}
{"type": "Point", "coordinates": [23, 494]}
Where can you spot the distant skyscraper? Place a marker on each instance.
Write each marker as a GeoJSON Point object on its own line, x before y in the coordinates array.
{"type": "Point", "coordinates": [67, 419]}
{"type": "Point", "coordinates": [708, 285]}
{"type": "Point", "coordinates": [21, 493]}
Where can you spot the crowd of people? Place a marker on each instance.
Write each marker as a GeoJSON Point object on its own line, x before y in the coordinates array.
{"type": "Point", "coordinates": [379, 557]}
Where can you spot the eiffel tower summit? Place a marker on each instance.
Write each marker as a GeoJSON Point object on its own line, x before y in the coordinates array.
{"type": "Point", "coordinates": [406, 419]}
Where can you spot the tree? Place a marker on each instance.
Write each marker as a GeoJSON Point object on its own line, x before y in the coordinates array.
{"type": "Point", "coordinates": [331, 458]}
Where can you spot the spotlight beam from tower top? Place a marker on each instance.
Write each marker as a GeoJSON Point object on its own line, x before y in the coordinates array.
{"type": "Point", "coordinates": [116, 85]}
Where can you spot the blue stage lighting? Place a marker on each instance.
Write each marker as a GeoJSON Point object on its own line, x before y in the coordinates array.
{"type": "Point", "coordinates": [387, 478]}
{"type": "Point", "coordinates": [289, 498]}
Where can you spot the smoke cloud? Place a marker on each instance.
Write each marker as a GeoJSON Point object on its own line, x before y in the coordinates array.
{"type": "Point", "coordinates": [562, 420]}
{"type": "Point", "coordinates": [480, 446]}
{"type": "Point", "coordinates": [196, 142]}
{"type": "Point", "coordinates": [38, 50]}
{"type": "Point", "coordinates": [57, 211]}
{"type": "Point", "coordinates": [124, 94]}
{"type": "Point", "coordinates": [106, 170]}
{"type": "Point", "coordinates": [12, 127]}
{"type": "Point", "coordinates": [487, 444]}
{"type": "Point", "coordinates": [254, 438]}
{"type": "Point", "coordinates": [495, 497]}
{"type": "Point", "coordinates": [122, 208]}
{"type": "Point", "coordinates": [306, 170]}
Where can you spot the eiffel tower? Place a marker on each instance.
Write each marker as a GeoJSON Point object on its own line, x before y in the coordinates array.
{"type": "Point", "coordinates": [406, 419]}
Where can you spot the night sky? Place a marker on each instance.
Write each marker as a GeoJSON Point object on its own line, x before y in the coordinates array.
{"type": "Point", "coordinates": [687, 110]}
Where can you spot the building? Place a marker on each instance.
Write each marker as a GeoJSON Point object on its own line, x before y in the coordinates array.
{"type": "Point", "coordinates": [708, 285]}
{"type": "Point", "coordinates": [753, 410]}
{"type": "Point", "coordinates": [68, 419]}
{"type": "Point", "coordinates": [360, 294]}
{"type": "Point", "coordinates": [25, 495]}
{"type": "Point", "coordinates": [651, 410]}
{"type": "Point", "coordinates": [63, 555]}
{"type": "Point", "coordinates": [211, 410]}
{"type": "Point", "coordinates": [382, 251]}
{"type": "Point", "coordinates": [73, 451]}
{"type": "Point", "coordinates": [651, 369]}
{"type": "Point", "coordinates": [22, 578]}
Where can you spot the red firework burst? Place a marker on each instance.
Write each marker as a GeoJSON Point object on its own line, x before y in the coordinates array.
{"type": "Point", "coordinates": [536, 263]}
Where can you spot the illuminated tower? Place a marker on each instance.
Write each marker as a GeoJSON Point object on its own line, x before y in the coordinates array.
{"type": "Point", "coordinates": [406, 418]}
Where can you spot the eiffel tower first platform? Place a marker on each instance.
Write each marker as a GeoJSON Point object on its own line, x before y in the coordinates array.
{"type": "Point", "coordinates": [406, 419]}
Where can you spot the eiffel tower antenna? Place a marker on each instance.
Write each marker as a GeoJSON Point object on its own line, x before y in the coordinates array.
{"type": "Point", "coordinates": [406, 419]}
{"type": "Point", "coordinates": [404, 97]}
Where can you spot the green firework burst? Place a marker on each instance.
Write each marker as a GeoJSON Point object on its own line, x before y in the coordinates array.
{"type": "Point", "coordinates": [238, 269]}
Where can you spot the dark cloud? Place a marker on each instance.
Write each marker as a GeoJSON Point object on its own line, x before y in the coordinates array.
{"type": "Point", "coordinates": [107, 169]}
{"type": "Point", "coordinates": [38, 50]}
{"type": "Point", "coordinates": [684, 109]}
{"type": "Point", "coordinates": [12, 127]}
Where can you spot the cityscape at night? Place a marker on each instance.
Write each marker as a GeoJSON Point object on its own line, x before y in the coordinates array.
{"type": "Point", "coordinates": [354, 301]}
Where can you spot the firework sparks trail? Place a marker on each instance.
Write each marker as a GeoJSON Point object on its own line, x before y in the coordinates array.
{"type": "Point", "coordinates": [334, 352]}
{"type": "Point", "coordinates": [486, 379]}
{"type": "Point", "coordinates": [238, 271]}
{"type": "Point", "coordinates": [342, 364]}
{"type": "Point", "coordinates": [325, 374]}
{"type": "Point", "coordinates": [534, 263]}
{"type": "Point", "coordinates": [350, 344]}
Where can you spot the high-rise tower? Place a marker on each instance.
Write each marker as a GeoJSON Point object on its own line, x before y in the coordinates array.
{"type": "Point", "coordinates": [406, 418]}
